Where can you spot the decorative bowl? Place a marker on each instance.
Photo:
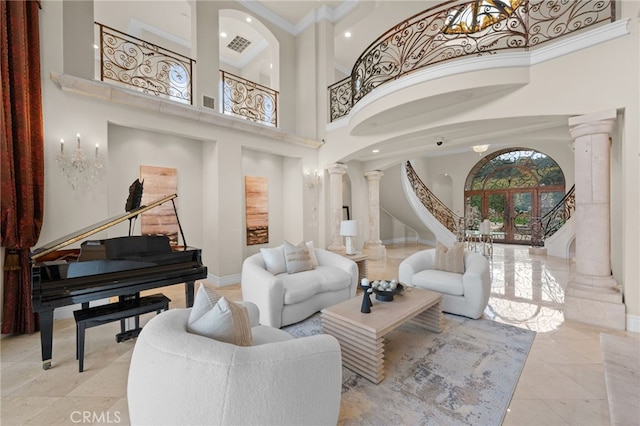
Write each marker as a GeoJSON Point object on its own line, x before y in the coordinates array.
{"type": "Point", "coordinates": [386, 295]}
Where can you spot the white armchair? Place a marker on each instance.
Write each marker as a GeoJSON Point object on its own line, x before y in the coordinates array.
{"type": "Point", "coordinates": [179, 378]}
{"type": "Point", "coordinates": [462, 294]}
{"type": "Point", "coordinates": [285, 299]}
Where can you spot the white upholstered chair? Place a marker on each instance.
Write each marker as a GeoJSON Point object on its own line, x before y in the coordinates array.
{"type": "Point", "coordinates": [465, 294]}
{"type": "Point", "coordinates": [180, 378]}
{"type": "Point", "coordinates": [285, 298]}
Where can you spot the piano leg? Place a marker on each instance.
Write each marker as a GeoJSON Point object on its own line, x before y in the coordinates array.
{"type": "Point", "coordinates": [188, 293]}
{"type": "Point", "coordinates": [46, 337]}
{"type": "Point", "coordinates": [128, 334]}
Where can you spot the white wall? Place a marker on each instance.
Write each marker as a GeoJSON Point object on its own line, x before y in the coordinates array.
{"type": "Point", "coordinates": [255, 163]}
{"type": "Point", "coordinates": [131, 148]}
{"type": "Point", "coordinates": [210, 155]}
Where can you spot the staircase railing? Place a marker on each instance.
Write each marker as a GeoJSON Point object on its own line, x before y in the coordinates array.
{"type": "Point", "coordinates": [547, 225]}
{"type": "Point", "coordinates": [541, 227]}
{"type": "Point", "coordinates": [437, 208]}
{"type": "Point", "coordinates": [436, 35]}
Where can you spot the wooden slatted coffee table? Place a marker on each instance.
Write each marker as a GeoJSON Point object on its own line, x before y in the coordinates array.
{"type": "Point", "coordinates": [361, 336]}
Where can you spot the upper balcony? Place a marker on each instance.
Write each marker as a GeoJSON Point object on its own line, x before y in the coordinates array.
{"type": "Point", "coordinates": [444, 36]}
{"type": "Point", "coordinates": [450, 32]}
{"type": "Point", "coordinates": [151, 69]}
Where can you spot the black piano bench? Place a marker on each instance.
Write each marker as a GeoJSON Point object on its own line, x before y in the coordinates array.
{"type": "Point", "coordinates": [117, 311]}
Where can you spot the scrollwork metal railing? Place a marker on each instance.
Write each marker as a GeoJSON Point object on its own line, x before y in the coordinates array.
{"type": "Point", "coordinates": [437, 208]}
{"type": "Point", "coordinates": [547, 225]}
{"type": "Point", "coordinates": [558, 216]}
{"type": "Point", "coordinates": [144, 66]}
{"type": "Point", "coordinates": [426, 39]}
{"type": "Point", "coordinates": [249, 100]}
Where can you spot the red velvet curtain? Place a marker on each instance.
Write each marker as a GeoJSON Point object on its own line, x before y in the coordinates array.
{"type": "Point", "coordinates": [21, 159]}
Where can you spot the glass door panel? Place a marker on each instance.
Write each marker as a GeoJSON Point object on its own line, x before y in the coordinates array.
{"type": "Point", "coordinates": [496, 208]}
{"type": "Point", "coordinates": [548, 200]}
{"type": "Point", "coordinates": [521, 213]}
{"type": "Point", "coordinates": [473, 215]}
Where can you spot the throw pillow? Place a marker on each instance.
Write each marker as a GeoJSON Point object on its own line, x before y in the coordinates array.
{"type": "Point", "coordinates": [297, 257]}
{"type": "Point", "coordinates": [274, 259]}
{"type": "Point", "coordinates": [226, 322]}
{"type": "Point", "coordinates": [450, 259]}
{"type": "Point", "coordinates": [312, 254]}
{"type": "Point", "coordinates": [205, 299]}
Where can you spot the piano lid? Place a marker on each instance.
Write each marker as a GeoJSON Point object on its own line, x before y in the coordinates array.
{"type": "Point", "coordinates": [95, 228]}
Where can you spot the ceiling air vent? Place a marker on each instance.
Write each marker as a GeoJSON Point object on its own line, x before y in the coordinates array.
{"type": "Point", "coordinates": [238, 44]}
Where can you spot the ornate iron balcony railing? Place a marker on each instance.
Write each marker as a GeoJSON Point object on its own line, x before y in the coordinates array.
{"type": "Point", "coordinates": [426, 39]}
{"type": "Point", "coordinates": [142, 65]}
{"type": "Point", "coordinates": [249, 100]}
{"type": "Point", "coordinates": [437, 208]}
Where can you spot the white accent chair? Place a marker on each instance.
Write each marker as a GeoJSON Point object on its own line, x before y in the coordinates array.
{"type": "Point", "coordinates": [180, 378]}
{"type": "Point", "coordinates": [285, 299]}
{"type": "Point", "coordinates": [462, 294]}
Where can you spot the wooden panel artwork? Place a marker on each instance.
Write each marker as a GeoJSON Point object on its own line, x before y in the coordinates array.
{"type": "Point", "coordinates": [257, 204]}
{"type": "Point", "coordinates": [159, 182]}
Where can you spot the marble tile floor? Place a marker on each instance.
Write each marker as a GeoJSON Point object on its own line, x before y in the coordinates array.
{"type": "Point", "coordinates": [562, 382]}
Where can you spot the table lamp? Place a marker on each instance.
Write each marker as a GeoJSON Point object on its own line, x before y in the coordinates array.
{"type": "Point", "coordinates": [349, 229]}
{"type": "Point", "coordinates": [485, 227]}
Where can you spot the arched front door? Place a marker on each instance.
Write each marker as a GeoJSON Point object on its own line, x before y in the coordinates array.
{"type": "Point", "coordinates": [512, 188]}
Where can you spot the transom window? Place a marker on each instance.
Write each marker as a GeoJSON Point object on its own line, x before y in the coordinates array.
{"type": "Point", "coordinates": [512, 188]}
{"type": "Point", "coordinates": [477, 15]}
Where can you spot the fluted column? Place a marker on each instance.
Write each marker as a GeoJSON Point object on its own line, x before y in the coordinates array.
{"type": "Point", "coordinates": [593, 295]}
{"type": "Point", "coordinates": [336, 171]}
{"type": "Point", "coordinates": [374, 249]}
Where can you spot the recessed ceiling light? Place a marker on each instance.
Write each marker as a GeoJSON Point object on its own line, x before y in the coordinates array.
{"type": "Point", "coordinates": [223, 34]}
{"type": "Point", "coordinates": [248, 19]}
{"type": "Point", "coordinates": [347, 34]}
{"type": "Point", "coordinates": [375, 151]}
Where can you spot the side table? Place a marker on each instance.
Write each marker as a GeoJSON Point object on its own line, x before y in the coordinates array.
{"type": "Point", "coordinates": [361, 261]}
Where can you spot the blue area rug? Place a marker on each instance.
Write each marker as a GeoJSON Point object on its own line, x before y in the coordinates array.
{"type": "Point", "coordinates": [465, 375]}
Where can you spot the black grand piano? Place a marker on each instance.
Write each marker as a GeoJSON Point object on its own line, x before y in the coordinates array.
{"type": "Point", "coordinates": [100, 269]}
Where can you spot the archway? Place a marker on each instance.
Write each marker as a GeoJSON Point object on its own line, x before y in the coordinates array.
{"type": "Point", "coordinates": [512, 188]}
{"type": "Point", "coordinates": [258, 57]}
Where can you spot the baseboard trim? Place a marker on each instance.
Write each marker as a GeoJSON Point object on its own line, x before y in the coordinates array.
{"type": "Point", "coordinates": [224, 281]}
{"type": "Point", "coordinates": [633, 323]}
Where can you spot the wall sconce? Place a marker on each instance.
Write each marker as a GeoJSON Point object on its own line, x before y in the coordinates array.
{"type": "Point", "coordinates": [480, 148]}
{"type": "Point", "coordinates": [349, 229]}
{"type": "Point", "coordinates": [313, 180]}
{"type": "Point", "coordinates": [80, 168]}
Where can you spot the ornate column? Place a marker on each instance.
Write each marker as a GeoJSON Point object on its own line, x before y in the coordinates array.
{"type": "Point", "coordinates": [373, 247]}
{"type": "Point", "coordinates": [336, 170]}
{"type": "Point", "coordinates": [593, 295]}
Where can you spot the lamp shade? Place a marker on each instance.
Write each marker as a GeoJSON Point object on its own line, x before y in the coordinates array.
{"type": "Point", "coordinates": [485, 227]}
{"type": "Point", "coordinates": [349, 228]}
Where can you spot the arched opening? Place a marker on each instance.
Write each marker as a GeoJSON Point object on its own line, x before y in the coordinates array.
{"type": "Point", "coordinates": [248, 48]}
{"type": "Point", "coordinates": [512, 188]}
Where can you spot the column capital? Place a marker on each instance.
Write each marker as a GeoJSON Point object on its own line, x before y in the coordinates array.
{"type": "Point", "coordinates": [336, 168]}
{"type": "Point", "coordinates": [592, 124]}
{"type": "Point", "coordinates": [373, 174]}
